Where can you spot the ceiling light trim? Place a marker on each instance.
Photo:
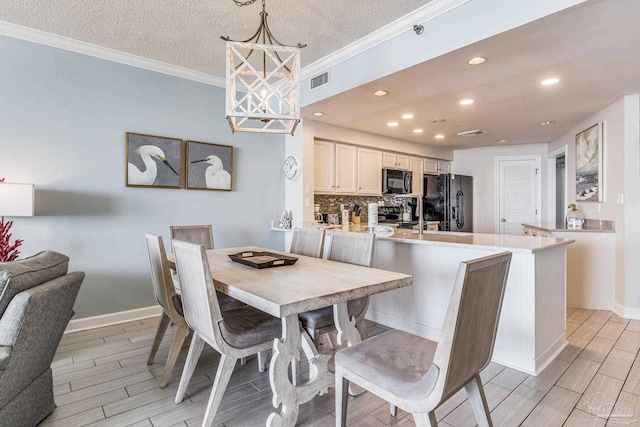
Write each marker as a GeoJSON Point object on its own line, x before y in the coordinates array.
{"type": "Point", "coordinates": [89, 49]}
{"type": "Point", "coordinates": [389, 31]}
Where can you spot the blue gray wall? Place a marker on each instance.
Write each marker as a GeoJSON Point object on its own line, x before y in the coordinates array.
{"type": "Point", "coordinates": [63, 119]}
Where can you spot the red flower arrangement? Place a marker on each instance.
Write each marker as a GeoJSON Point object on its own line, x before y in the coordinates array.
{"type": "Point", "coordinates": [8, 251]}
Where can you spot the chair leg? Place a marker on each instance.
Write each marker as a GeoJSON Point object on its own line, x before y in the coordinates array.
{"type": "Point", "coordinates": [174, 351]}
{"type": "Point", "coordinates": [225, 369]}
{"type": "Point", "coordinates": [332, 346]}
{"type": "Point", "coordinates": [262, 361]}
{"type": "Point", "coordinates": [425, 420]}
{"type": "Point", "coordinates": [162, 328]}
{"type": "Point", "coordinates": [342, 385]}
{"type": "Point", "coordinates": [197, 344]}
{"type": "Point", "coordinates": [478, 402]}
{"type": "Point", "coordinates": [393, 410]}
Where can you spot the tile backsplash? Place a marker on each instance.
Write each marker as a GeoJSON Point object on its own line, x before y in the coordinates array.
{"type": "Point", "coordinates": [331, 203]}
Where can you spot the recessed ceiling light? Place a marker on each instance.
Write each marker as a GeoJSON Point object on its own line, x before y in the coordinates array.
{"type": "Point", "coordinates": [407, 116]}
{"type": "Point", "coordinates": [477, 60]}
{"type": "Point", "coordinates": [547, 123]}
{"type": "Point", "coordinates": [466, 102]}
{"type": "Point", "coordinates": [439, 136]}
{"type": "Point", "coordinates": [318, 113]}
{"type": "Point", "coordinates": [418, 131]}
{"type": "Point", "coordinates": [380, 93]}
{"type": "Point", "coordinates": [551, 81]}
{"type": "Point", "coordinates": [502, 141]}
{"type": "Point", "coordinates": [392, 124]}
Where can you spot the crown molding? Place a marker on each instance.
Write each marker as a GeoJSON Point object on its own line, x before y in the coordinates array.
{"type": "Point", "coordinates": [65, 43]}
{"type": "Point", "coordinates": [389, 31]}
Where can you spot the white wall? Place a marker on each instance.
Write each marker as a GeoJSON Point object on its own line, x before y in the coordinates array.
{"type": "Point", "coordinates": [480, 164]}
{"type": "Point", "coordinates": [64, 117]}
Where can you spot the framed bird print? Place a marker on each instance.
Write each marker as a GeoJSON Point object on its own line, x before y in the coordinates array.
{"type": "Point", "coordinates": [209, 166]}
{"type": "Point", "coordinates": [154, 161]}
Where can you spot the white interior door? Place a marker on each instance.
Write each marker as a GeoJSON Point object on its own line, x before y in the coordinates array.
{"type": "Point", "coordinates": [518, 192]}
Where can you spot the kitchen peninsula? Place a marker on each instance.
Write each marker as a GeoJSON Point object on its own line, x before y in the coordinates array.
{"type": "Point", "coordinates": [532, 325]}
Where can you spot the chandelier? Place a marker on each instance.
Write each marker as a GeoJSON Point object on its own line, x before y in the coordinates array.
{"type": "Point", "coordinates": [262, 81]}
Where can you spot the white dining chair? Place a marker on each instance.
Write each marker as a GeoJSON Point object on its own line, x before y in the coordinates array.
{"type": "Point", "coordinates": [170, 302]}
{"type": "Point", "coordinates": [307, 242]}
{"type": "Point", "coordinates": [352, 248]}
{"type": "Point", "coordinates": [235, 333]}
{"type": "Point", "coordinates": [418, 375]}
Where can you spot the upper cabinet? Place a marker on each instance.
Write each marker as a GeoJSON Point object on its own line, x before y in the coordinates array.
{"type": "Point", "coordinates": [431, 166]}
{"type": "Point", "coordinates": [369, 171]}
{"type": "Point", "coordinates": [324, 167]}
{"type": "Point", "coordinates": [395, 161]}
{"type": "Point", "coordinates": [345, 168]}
{"type": "Point", "coordinates": [444, 167]}
{"type": "Point", "coordinates": [416, 166]}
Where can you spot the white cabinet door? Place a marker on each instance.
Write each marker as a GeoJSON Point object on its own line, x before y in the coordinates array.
{"type": "Point", "coordinates": [324, 167]}
{"type": "Point", "coordinates": [402, 162]}
{"type": "Point", "coordinates": [389, 160]}
{"type": "Point", "coordinates": [345, 168]}
{"type": "Point", "coordinates": [416, 164]}
{"type": "Point", "coordinates": [431, 166]}
{"type": "Point", "coordinates": [369, 171]}
{"type": "Point", "coordinates": [444, 167]}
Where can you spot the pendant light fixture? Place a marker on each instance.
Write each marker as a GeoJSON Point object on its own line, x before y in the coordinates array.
{"type": "Point", "coordinates": [262, 81]}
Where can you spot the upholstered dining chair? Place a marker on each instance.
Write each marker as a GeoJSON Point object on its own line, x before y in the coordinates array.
{"type": "Point", "coordinates": [171, 305]}
{"type": "Point", "coordinates": [198, 234]}
{"type": "Point", "coordinates": [417, 375]}
{"type": "Point", "coordinates": [307, 242]}
{"type": "Point", "coordinates": [352, 248]}
{"type": "Point", "coordinates": [236, 333]}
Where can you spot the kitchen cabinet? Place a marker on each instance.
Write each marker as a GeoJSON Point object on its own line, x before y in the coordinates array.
{"type": "Point", "coordinates": [444, 167]}
{"type": "Point", "coordinates": [416, 166]}
{"type": "Point", "coordinates": [395, 161]}
{"type": "Point", "coordinates": [369, 171]}
{"type": "Point", "coordinates": [346, 180]}
{"type": "Point", "coordinates": [324, 167]}
{"type": "Point", "coordinates": [430, 166]}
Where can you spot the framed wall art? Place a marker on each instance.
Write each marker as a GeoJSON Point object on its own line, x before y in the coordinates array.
{"type": "Point", "coordinates": [589, 184]}
{"type": "Point", "coordinates": [209, 166]}
{"type": "Point", "coordinates": [154, 161]}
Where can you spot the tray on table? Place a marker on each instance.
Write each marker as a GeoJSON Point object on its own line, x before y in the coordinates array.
{"type": "Point", "coordinates": [262, 259]}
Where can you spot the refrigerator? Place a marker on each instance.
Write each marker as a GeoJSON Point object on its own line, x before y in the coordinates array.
{"type": "Point", "coordinates": [448, 199]}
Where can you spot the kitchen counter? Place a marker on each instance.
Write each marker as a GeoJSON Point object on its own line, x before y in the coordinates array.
{"type": "Point", "coordinates": [591, 226]}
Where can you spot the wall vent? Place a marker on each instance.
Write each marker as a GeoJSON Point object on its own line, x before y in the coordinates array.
{"type": "Point", "coordinates": [320, 80]}
{"type": "Point", "coordinates": [474, 132]}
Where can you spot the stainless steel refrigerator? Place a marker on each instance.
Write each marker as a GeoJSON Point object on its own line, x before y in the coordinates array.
{"type": "Point", "coordinates": [448, 199]}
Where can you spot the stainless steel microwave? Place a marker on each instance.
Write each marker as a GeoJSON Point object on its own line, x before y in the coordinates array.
{"type": "Point", "coordinates": [396, 181]}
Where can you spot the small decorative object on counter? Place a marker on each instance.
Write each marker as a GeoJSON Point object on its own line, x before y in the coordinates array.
{"type": "Point", "coordinates": [372, 214]}
{"type": "Point", "coordinates": [285, 220]}
{"type": "Point", "coordinates": [575, 218]}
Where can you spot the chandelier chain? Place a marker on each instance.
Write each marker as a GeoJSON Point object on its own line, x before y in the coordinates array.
{"type": "Point", "coordinates": [246, 3]}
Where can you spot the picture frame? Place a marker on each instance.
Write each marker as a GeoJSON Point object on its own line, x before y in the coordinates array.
{"type": "Point", "coordinates": [154, 161]}
{"type": "Point", "coordinates": [589, 164]}
{"type": "Point", "coordinates": [209, 166]}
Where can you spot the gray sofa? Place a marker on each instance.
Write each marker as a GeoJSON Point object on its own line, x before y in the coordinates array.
{"type": "Point", "coordinates": [36, 304]}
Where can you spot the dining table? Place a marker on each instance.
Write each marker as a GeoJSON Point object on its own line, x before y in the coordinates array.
{"type": "Point", "coordinates": [288, 290]}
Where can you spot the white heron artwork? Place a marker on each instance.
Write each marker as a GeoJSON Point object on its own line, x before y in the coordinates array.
{"type": "Point", "coordinates": [149, 155]}
{"type": "Point", "coordinates": [215, 176]}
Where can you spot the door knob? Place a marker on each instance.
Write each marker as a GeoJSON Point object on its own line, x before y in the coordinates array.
{"type": "Point", "coordinates": [503, 220]}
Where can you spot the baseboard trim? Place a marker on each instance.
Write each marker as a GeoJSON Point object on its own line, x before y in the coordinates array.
{"type": "Point", "coordinates": [103, 320]}
{"type": "Point", "coordinates": [404, 325]}
{"type": "Point", "coordinates": [626, 312]}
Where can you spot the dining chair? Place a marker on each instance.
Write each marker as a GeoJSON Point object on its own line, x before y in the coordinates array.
{"type": "Point", "coordinates": [352, 248]}
{"type": "Point", "coordinates": [198, 234]}
{"type": "Point", "coordinates": [170, 302]}
{"type": "Point", "coordinates": [235, 333]}
{"type": "Point", "coordinates": [307, 242]}
{"type": "Point", "coordinates": [418, 375]}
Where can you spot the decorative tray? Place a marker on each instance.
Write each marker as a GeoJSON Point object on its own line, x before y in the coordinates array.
{"type": "Point", "coordinates": [262, 259]}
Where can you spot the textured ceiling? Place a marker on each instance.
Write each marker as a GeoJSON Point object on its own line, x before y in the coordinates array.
{"type": "Point", "coordinates": [187, 33]}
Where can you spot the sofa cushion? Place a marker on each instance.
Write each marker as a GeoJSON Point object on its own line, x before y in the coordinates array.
{"type": "Point", "coordinates": [18, 276]}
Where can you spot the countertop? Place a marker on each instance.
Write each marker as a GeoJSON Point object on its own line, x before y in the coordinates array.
{"type": "Point", "coordinates": [591, 226]}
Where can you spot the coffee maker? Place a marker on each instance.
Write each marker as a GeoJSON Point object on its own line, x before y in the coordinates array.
{"type": "Point", "coordinates": [316, 214]}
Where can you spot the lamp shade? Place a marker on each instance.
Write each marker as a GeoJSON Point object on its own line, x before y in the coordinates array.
{"type": "Point", "coordinates": [16, 199]}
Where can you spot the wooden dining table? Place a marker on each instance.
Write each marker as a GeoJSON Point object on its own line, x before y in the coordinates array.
{"type": "Point", "coordinates": [286, 291]}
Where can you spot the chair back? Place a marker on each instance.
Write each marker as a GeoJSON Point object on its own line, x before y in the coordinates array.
{"type": "Point", "coordinates": [307, 242]}
{"type": "Point", "coordinates": [199, 299]}
{"type": "Point", "coordinates": [198, 234]}
{"type": "Point", "coordinates": [161, 275]}
{"type": "Point", "coordinates": [471, 321]}
{"type": "Point", "coordinates": [352, 248]}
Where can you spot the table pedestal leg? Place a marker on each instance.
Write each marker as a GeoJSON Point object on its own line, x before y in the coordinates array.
{"type": "Point", "coordinates": [347, 331]}
{"type": "Point", "coordinates": [287, 396]}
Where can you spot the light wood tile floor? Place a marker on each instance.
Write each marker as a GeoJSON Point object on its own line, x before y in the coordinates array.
{"type": "Point", "coordinates": [101, 379]}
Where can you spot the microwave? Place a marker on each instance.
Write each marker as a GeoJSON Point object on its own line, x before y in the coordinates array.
{"type": "Point", "coordinates": [396, 181]}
